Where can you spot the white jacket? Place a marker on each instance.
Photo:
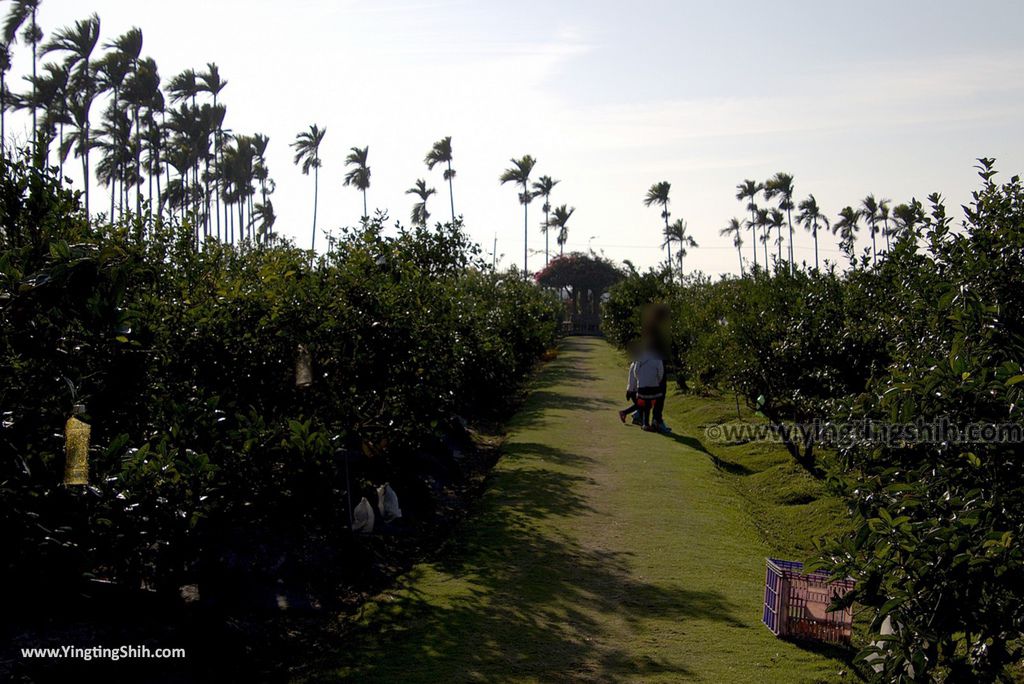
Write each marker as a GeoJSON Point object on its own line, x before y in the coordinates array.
{"type": "Point", "coordinates": [647, 371]}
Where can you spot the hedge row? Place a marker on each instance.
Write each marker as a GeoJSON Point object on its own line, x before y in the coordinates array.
{"type": "Point", "coordinates": [186, 364]}
{"type": "Point", "coordinates": [933, 332]}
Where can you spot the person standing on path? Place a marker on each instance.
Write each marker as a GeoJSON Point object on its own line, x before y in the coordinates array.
{"type": "Point", "coordinates": [631, 385]}
{"type": "Point", "coordinates": [656, 332]}
{"type": "Point", "coordinates": [647, 374]}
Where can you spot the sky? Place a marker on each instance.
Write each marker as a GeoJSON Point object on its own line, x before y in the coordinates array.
{"type": "Point", "coordinates": [891, 98]}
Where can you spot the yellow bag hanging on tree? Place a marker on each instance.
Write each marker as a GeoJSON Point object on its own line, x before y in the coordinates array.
{"type": "Point", "coordinates": [76, 449]}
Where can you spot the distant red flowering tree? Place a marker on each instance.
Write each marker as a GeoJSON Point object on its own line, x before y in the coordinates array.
{"type": "Point", "coordinates": [584, 278]}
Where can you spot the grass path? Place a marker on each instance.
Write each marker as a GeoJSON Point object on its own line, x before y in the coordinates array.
{"type": "Point", "coordinates": [599, 553]}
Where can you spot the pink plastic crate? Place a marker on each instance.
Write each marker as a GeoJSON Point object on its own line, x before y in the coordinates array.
{"type": "Point", "coordinates": [796, 603]}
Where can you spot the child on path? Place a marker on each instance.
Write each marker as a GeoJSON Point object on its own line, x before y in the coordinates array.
{"type": "Point", "coordinates": [644, 389]}
{"type": "Point", "coordinates": [657, 337]}
{"type": "Point", "coordinates": [631, 387]}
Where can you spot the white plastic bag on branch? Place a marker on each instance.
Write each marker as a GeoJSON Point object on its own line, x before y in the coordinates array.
{"type": "Point", "coordinates": [387, 503]}
{"type": "Point", "coordinates": [362, 517]}
{"type": "Point", "coordinates": [303, 367]}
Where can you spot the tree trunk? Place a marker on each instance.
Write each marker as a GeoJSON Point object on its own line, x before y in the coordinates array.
{"type": "Point", "coordinates": [206, 198]}
{"type": "Point", "coordinates": [789, 218]}
{"type": "Point", "coordinates": [138, 163]}
{"type": "Point", "coordinates": [366, 213]}
{"type": "Point", "coordinates": [753, 225]}
{"type": "Point", "coordinates": [35, 126]}
{"type": "Point", "coordinates": [63, 112]}
{"type": "Point", "coordinates": [547, 234]}
{"type": "Point", "coordinates": [85, 170]}
{"type": "Point", "coordinates": [316, 192]}
{"type": "Point", "coordinates": [815, 246]}
{"type": "Point", "coordinates": [526, 235]}
{"type": "Point", "coordinates": [3, 114]}
{"type": "Point", "coordinates": [216, 164]}
{"type": "Point", "coordinates": [668, 244]}
{"type": "Point", "coordinates": [451, 190]}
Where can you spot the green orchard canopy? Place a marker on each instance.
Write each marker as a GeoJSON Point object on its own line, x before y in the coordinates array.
{"type": "Point", "coordinates": [582, 280]}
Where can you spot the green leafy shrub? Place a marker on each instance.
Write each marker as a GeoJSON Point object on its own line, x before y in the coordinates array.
{"type": "Point", "coordinates": [936, 545]}
{"type": "Point", "coordinates": [186, 362]}
{"type": "Point", "coordinates": [930, 335]}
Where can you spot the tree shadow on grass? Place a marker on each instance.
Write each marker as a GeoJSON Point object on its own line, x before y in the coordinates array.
{"type": "Point", "coordinates": [515, 451]}
{"type": "Point", "coordinates": [550, 400]}
{"type": "Point", "coordinates": [516, 597]}
{"type": "Point", "coordinates": [570, 367]}
{"type": "Point", "coordinates": [842, 654]}
{"type": "Point", "coordinates": [538, 410]}
{"type": "Point", "coordinates": [720, 463]}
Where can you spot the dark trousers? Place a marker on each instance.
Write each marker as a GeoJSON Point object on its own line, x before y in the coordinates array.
{"type": "Point", "coordinates": [650, 400]}
{"type": "Point", "coordinates": [659, 406]}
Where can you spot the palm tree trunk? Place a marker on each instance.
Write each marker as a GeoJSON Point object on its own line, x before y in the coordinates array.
{"type": "Point", "coordinates": [138, 163]}
{"type": "Point", "coordinates": [526, 235]}
{"type": "Point", "coordinates": [815, 232]}
{"type": "Point", "coordinates": [547, 233]}
{"type": "Point", "coordinates": [216, 163]}
{"type": "Point", "coordinates": [85, 170]}
{"type": "Point", "coordinates": [216, 182]}
{"type": "Point", "coordinates": [35, 60]}
{"type": "Point", "coordinates": [789, 218]}
{"type": "Point", "coordinates": [740, 255]}
{"type": "Point", "coordinates": [3, 114]}
{"type": "Point", "coordinates": [206, 197]}
{"type": "Point", "coordinates": [767, 234]}
{"type": "Point", "coordinates": [167, 162]}
{"type": "Point", "coordinates": [196, 187]}
{"type": "Point", "coordinates": [753, 221]}
{"type": "Point", "coordinates": [366, 213]}
{"type": "Point", "coordinates": [316, 193]}
{"type": "Point", "coordinates": [668, 242]}
{"type": "Point", "coordinates": [451, 190]}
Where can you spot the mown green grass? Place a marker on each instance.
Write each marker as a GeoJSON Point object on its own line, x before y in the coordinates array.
{"type": "Point", "coordinates": [601, 553]}
{"type": "Point", "coordinates": [789, 507]}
